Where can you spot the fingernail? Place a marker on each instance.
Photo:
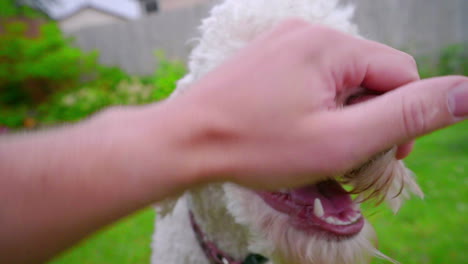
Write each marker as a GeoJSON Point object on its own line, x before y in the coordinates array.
{"type": "Point", "coordinates": [458, 100]}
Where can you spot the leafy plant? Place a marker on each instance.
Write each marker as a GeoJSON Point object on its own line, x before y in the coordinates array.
{"type": "Point", "coordinates": [452, 60]}
{"type": "Point", "coordinates": [13, 117]}
{"type": "Point", "coordinates": [105, 86]}
{"type": "Point", "coordinates": [112, 87]}
{"type": "Point", "coordinates": [79, 103]}
{"type": "Point", "coordinates": [166, 76]}
{"type": "Point", "coordinates": [14, 8]}
{"type": "Point", "coordinates": [32, 68]}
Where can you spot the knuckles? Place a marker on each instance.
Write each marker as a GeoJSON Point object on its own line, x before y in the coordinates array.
{"type": "Point", "coordinates": [308, 30]}
{"type": "Point", "coordinates": [414, 117]}
{"type": "Point", "coordinates": [412, 65]}
{"type": "Point", "coordinates": [301, 36]}
{"type": "Point", "coordinates": [293, 24]}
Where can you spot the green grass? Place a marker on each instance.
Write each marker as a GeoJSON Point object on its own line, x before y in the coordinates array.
{"type": "Point", "coordinates": [128, 241]}
{"type": "Point", "coordinates": [433, 230]}
{"type": "Point", "coordinates": [426, 231]}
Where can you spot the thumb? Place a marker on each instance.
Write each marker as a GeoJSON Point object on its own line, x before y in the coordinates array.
{"type": "Point", "coordinates": [406, 113]}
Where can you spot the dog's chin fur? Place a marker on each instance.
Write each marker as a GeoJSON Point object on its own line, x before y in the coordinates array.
{"type": "Point", "coordinates": [271, 233]}
{"type": "Point", "coordinates": [240, 222]}
{"type": "Point", "coordinates": [273, 236]}
{"type": "Point", "coordinates": [237, 219]}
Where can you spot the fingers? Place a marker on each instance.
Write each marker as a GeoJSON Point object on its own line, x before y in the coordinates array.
{"type": "Point", "coordinates": [388, 69]}
{"type": "Point", "coordinates": [399, 116]}
{"type": "Point", "coordinates": [356, 62]}
{"type": "Point", "coordinates": [404, 150]}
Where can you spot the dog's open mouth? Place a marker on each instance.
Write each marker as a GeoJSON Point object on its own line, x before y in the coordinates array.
{"type": "Point", "coordinates": [324, 208]}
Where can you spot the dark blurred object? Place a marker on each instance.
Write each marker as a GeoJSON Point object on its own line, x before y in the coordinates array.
{"type": "Point", "coordinates": [150, 6]}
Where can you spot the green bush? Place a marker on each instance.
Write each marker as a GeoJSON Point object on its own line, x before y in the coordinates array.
{"type": "Point", "coordinates": [166, 76]}
{"type": "Point", "coordinates": [79, 103]}
{"type": "Point", "coordinates": [112, 87]}
{"type": "Point", "coordinates": [100, 87]}
{"type": "Point", "coordinates": [109, 77]}
{"type": "Point", "coordinates": [107, 86]}
{"type": "Point", "coordinates": [452, 60]}
{"type": "Point", "coordinates": [13, 118]}
{"type": "Point", "coordinates": [33, 68]}
{"type": "Point", "coordinates": [11, 8]}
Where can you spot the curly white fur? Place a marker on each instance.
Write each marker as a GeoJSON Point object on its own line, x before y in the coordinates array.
{"type": "Point", "coordinates": [234, 217]}
{"type": "Point", "coordinates": [235, 23]}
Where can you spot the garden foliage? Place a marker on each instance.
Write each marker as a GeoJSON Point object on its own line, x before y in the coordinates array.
{"type": "Point", "coordinates": [34, 67]}
{"type": "Point", "coordinates": [112, 87]}
{"type": "Point", "coordinates": [14, 8]}
{"type": "Point", "coordinates": [45, 80]}
{"type": "Point", "coordinates": [453, 60]}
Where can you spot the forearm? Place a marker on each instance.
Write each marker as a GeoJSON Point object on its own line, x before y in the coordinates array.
{"type": "Point", "coordinates": [58, 186]}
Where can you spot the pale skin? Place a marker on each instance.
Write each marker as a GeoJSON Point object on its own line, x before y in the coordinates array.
{"type": "Point", "coordinates": [267, 118]}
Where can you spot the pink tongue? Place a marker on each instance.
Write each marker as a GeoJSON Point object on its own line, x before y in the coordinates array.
{"type": "Point", "coordinates": [333, 197]}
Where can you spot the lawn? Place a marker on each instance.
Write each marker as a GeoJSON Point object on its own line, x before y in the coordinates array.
{"type": "Point", "coordinates": [432, 230]}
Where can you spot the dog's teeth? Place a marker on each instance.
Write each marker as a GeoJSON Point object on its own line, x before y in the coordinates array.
{"type": "Point", "coordinates": [339, 222]}
{"type": "Point", "coordinates": [335, 221]}
{"type": "Point", "coordinates": [354, 218]}
{"type": "Point", "coordinates": [320, 212]}
{"type": "Point", "coordinates": [318, 208]}
{"type": "Point", "coordinates": [331, 220]}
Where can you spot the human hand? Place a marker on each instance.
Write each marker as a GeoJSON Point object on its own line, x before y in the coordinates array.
{"type": "Point", "coordinates": [272, 115]}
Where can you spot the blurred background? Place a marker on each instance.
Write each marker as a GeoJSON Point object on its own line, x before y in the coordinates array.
{"type": "Point", "coordinates": [62, 60]}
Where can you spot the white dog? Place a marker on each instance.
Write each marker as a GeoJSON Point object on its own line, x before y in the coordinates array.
{"type": "Point", "coordinates": [316, 224]}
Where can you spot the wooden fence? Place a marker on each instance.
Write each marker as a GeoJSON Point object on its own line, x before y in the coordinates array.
{"type": "Point", "coordinates": [417, 26]}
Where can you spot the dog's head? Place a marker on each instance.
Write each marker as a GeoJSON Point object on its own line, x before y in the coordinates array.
{"type": "Point", "coordinates": [319, 223]}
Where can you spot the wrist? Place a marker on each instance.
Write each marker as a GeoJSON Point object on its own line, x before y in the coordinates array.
{"type": "Point", "coordinates": [164, 148]}
{"type": "Point", "coordinates": [202, 139]}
